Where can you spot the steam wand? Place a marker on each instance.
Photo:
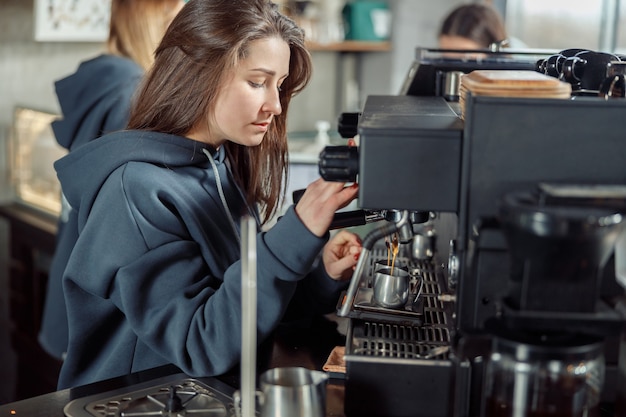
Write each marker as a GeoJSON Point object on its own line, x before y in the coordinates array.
{"type": "Point", "coordinates": [368, 243]}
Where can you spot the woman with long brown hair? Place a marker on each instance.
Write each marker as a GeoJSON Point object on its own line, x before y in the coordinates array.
{"type": "Point", "coordinates": [155, 275]}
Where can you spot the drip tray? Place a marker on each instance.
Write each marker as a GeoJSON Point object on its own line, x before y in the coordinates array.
{"type": "Point", "coordinates": [365, 308]}
{"type": "Point", "coordinates": [173, 396]}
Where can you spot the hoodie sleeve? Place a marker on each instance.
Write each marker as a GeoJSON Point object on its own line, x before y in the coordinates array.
{"type": "Point", "coordinates": [169, 263]}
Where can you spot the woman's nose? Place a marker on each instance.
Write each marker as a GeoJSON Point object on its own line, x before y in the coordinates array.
{"type": "Point", "coordinates": [272, 103]}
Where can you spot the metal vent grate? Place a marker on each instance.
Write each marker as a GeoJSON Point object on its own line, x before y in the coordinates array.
{"type": "Point", "coordinates": [394, 339]}
{"type": "Point", "coordinates": [198, 397]}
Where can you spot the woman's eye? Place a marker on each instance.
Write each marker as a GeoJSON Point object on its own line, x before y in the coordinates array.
{"type": "Point", "coordinates": [261, 85]}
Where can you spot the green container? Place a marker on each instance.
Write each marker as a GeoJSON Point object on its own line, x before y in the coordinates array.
{"type": "Point", "coordinates": [367, 20]}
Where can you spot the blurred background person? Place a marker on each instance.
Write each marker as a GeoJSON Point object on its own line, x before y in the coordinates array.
{"type": "Point", "coordinates": [95, 100]}
{"type": "Point", "coordinates": [472, 26]}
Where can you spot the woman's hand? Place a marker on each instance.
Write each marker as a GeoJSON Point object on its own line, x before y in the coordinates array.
{"type": "Point", "coordinates": [341, 254]}
{"type": "Point", "coordinates": [321, 200]}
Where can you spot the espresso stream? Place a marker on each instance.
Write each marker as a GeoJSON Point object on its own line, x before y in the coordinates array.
{"type": "Point", "coordinates": [392, 251]}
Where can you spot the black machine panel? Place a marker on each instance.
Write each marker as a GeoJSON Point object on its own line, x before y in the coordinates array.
{"type": "Point", "coordinates": [513, 144]}
{"type": "Point", "coordinates": [411, 147]}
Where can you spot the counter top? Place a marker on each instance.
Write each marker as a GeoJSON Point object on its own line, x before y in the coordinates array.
{"type": "Point", "coordinates": [307, 347]}
{"type": "Point", "coordinates": [303, 148]}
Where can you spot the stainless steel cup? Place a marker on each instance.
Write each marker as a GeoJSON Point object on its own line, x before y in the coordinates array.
{"type": "Point", "coordinates": [288, 392]}
{"type": "Point", "coordinates": [391, 288]}
{"type": "Point", "coordinates": [293, 392]}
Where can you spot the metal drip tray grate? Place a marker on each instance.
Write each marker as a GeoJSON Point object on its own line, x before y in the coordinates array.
{"type": "Point", "coordinates": [388, 340]}
{"type": "Point", "coordinates": [172, 396]}
{"type": "Point", "coordinates": [393, 334]}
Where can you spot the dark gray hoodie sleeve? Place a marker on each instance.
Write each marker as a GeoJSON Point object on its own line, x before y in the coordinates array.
{"type": "Point", "coordinates": [168, 282]}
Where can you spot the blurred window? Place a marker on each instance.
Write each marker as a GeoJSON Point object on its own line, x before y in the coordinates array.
{"type": "Point", "coordinates": [598, 25]}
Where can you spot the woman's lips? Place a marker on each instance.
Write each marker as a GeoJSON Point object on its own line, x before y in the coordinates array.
{"type": "Point", "coordinates": [262, 126]}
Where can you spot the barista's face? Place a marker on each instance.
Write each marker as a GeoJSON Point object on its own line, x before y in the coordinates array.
{"type": "Point", "coordinates": [248, 103]}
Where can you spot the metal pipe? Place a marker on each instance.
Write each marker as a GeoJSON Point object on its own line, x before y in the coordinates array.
{"type": "Point", "coordinates": [368, 243]}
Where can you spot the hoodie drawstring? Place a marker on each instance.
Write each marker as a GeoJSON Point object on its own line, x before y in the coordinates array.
{"type": "Point", "coordinates": [220, 190]}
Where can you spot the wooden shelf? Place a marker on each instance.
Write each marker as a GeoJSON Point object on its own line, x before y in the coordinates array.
{"type": "Point", "coordinates": [350, 46]}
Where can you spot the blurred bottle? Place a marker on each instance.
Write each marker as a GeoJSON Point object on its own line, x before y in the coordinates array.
{"type": "Point", "coordinates": [330, 23]}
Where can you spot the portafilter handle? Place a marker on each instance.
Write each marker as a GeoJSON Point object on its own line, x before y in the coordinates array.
{"type": "Point", "coordinates": [351, 218]}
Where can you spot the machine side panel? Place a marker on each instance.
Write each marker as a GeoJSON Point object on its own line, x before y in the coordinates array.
{"type": "Point", "coordinates": [514, 144]}
{"type": "Point", "coordinates": [410, 152]}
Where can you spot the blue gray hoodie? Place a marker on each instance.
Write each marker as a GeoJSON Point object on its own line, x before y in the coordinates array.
{"type": "Point", "coordinates": [94, 100]}
{"type": "Point", "coordinates": [155, 275]}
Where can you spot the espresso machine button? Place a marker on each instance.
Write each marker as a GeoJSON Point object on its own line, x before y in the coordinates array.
{"type": "Point", "coordinates": [347, 124]}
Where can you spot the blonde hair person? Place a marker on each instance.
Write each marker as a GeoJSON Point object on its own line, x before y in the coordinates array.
{"type": "Point", "coordinates": [137, 27]}
{"type": "Point", "coordinates": [96, 100]}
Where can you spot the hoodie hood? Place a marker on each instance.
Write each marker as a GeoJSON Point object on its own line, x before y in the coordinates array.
{"type": "Point", "coordinates": [95, 100]}
{"type": "Point", "coordinates": [83, 171]}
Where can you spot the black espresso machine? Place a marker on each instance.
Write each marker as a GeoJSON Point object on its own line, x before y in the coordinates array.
{"type": "Point", "coordinates": [517, 311]}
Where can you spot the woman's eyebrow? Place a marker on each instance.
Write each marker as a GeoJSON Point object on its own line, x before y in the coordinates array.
{"type": "Point", "coordinates": [266, 71]}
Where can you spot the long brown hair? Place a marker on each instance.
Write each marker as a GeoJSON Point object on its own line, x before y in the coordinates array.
{"type": "Point", "coordinates": [199, 51]}
{"type": "Point", "coordinates": [480, 23]}
{"type": "Point", "coordinates": [137, 26]}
